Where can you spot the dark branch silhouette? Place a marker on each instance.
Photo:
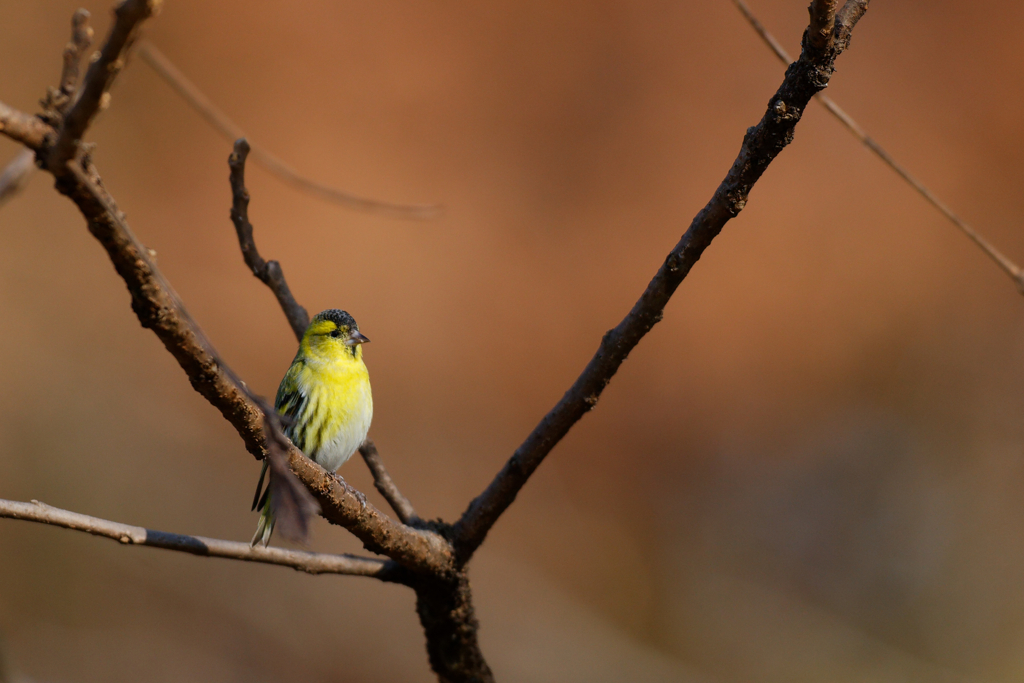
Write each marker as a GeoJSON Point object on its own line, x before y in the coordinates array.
{"type": "Point", "coordinates": [761, 144]}
{"type": "Point", "coordinates": [268, 272]}
{"type": "Point", "coordinates": [1001, 260]}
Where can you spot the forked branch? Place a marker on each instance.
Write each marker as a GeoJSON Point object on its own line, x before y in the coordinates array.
{"type": "Point", "coordinates": [431, 564]}
{"type": "Point", "coordinates": [159, 309]}
{"type": "Point", "coordinates": [1005, 263]}
{"type": "Point", "coordinates": [128, 16]}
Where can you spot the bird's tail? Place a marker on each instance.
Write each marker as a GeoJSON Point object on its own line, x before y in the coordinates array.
{"type": "Point", "coordinates": [266, 524]}
{"type": "Point", "coordinates": [265, 527]}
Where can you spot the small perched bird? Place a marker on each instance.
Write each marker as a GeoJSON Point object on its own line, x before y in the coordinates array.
{"type": "Point", "coordinates": [325, 400]}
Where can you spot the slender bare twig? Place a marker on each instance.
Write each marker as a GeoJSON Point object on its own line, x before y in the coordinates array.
{"type": "Point", "coordinates": [823, 18]}
{"type": "Point", "coordinates": [228, 129]}
{"type": "Point", "coordinates": [1007, 265]}
{"type": "Point", "coordinates": [81, 39]}
{"type": "Point", "coordinates": [16, 174]}
{"type": "Point", "coordinates": [383, 482]}
{"type": "Point", "coordinates": [846, 18]}
{"type": "Point", "coordinates": [128, 15]}
{"type": "Point", "coordinates": [761, 145]}
{"type": "Point", "coordinates": [268, 272]}
{"type": "Point", "coordinates": [312, 563]}
{"type": "Point", "coordinates": [30, 131]}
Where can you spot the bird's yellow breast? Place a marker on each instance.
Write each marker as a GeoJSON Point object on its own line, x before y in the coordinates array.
{"type": "Point", "coordinates": [330, 406]}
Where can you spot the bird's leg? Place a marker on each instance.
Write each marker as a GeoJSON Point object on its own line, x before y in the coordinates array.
{"type": "Point", "coordinates": [355, 492]}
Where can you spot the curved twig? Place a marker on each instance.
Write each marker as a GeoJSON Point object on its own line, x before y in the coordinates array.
{"type": "Point", "coordinates": [268, 272]}
{"type": "Point", "coordinates": [309, 562]}
{"type": "Point", "coordinates": [229, 130]}
{"type": "Point", "coordinates": [383, 482]}
{"type": "Point", "coordinates": [81, 39]}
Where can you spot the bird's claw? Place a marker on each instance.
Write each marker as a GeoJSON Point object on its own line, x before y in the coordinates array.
{"type": "Point", "coordinates": [360, 496]}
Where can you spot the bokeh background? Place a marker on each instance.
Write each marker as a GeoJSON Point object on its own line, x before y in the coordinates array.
{"type": "Point", "coordinates": [810, 471]}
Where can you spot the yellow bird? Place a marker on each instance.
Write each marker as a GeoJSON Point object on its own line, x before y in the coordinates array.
{"type": "Point", "coordinates": [325, 400]}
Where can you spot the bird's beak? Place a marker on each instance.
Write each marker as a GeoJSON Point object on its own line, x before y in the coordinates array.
{"type": "Point", "coordinates": [355, 339]}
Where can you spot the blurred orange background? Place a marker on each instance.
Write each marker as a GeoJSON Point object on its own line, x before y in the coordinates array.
{"type": "Point", "coordinates": [810, 471]}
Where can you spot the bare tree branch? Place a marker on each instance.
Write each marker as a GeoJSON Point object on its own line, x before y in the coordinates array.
{"type": "Point", "coordinates": [312, 563]}
{"type": "Point", "coordinates": [19, 126]}
{"type": "Point", "coordinates": [383, 482]}
{"type": "Point", "coordinates": [761, 144]}
{"type": "Point", "coordinates": [159, 309]}
{"type": "Point", "coordinates": [81, 39]}
{"type": "Point", "coordinates": [15, 175]}
{"type": "Point", "coordinates": [851, 10]}
{"type": "Point", "coordinates": [229, 130]}
{"type": "Point", "coordinates": [847, 18]}
{"type": "Point", "coordinates": [823, 19]}
{"type": "Point", "coordinates": [268, 272]}
{"type": "Point", "coordinates": [437, 553]}
{"type": "Point", "coordinates": [128, 15]}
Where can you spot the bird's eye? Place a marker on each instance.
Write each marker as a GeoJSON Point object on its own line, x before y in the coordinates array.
{"type": "Point", "coordinates": [336, 333]}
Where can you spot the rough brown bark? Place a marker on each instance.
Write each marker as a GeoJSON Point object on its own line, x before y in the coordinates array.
{"type": "Point", "coordinates": [445, 608]}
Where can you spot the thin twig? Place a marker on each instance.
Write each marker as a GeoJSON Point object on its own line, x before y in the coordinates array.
{"type": "Point", "coordinates": [1007, 265]}
{"type": "Point", "coordinates": [823, 18]}
{"type": "Point", "coordinates": [312, 563]}
{"type": "Point", "coordinates": [229, 130]}
{"type": "Point", "coordinates": [30, 131]}
{"type": "Point", "coordinates": [761, 144]}
{"type": "Point", "coordinates": [15, 175]}
{"type": "Point", "coordinates": [94, 96]}
{"type": "Point", "coordinates": [268, 272]}
{"type": "Point", "coordinates": [81, 39]}
{"type": "Point", "coordinates": [383, 482]}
